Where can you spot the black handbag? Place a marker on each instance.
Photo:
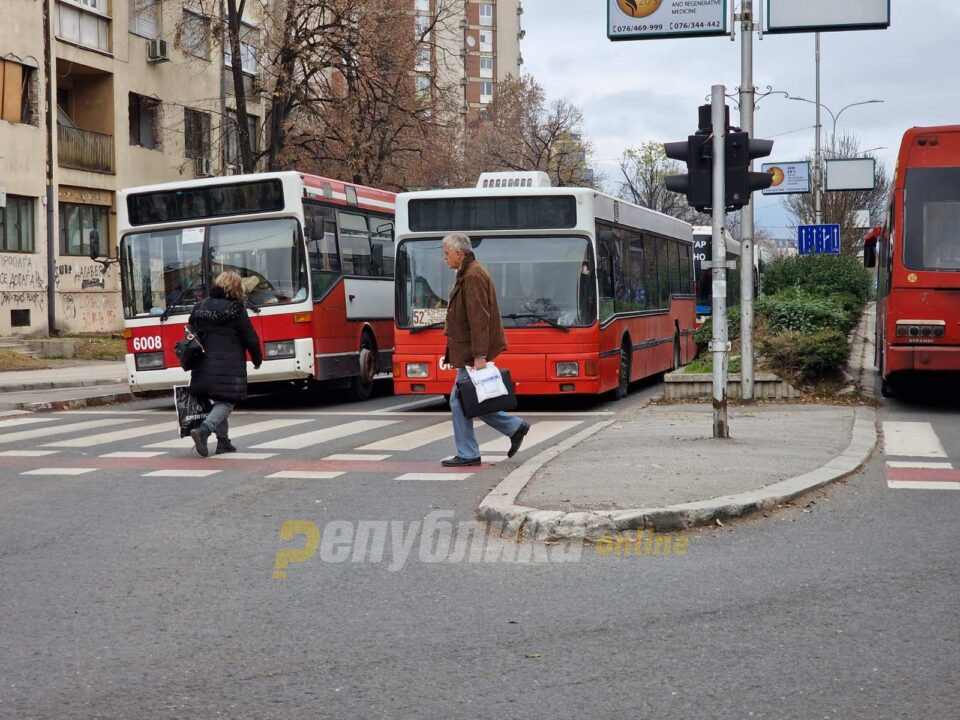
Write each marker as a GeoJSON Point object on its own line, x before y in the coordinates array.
{"type": "Point", "coordinates": [468, 397]}
{"type": "Point", "coordinates": [190, 350]}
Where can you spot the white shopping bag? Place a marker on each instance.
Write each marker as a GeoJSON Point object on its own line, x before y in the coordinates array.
{"type": "Point", "coordinates": [488, 382]}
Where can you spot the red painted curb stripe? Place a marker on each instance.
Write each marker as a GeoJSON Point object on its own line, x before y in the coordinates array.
{"type": "Point", "coordinates": [924, 474]}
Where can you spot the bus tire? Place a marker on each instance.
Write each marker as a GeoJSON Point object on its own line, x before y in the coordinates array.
{"type": "Point", "coordinates": [623, 384]}
{"type": "Point", "coordinates": [361, 387]}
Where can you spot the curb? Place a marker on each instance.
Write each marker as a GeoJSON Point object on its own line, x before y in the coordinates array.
{"type": "Point", "coordinates": [500, 506]}
{"type": "Point", "coordinates": [54, 385]}
{"type": "Point", "coordinates": [77, 403]}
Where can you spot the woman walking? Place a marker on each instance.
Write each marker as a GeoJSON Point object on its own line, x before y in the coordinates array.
{"type": "Point", "coordinates": [222, 322]}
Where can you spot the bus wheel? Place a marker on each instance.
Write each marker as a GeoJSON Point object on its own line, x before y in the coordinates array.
{"type": "Point", "coordinates": [362, 385]}
{"type": "Point", "coordinates": [623, 387]}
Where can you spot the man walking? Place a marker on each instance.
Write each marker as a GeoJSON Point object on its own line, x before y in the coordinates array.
{"type": "Point", "coordinates": [475, 335]}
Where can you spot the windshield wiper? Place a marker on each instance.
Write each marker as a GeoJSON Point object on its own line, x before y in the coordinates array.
{"type": "Point", "coordinates": [251, 304]}
{"type": "Point", "coordinates": [166, 311]}
{"type": "Point", "coordinates": [548, 321]}
{"type": "Point", "coordinates": [431, 326]}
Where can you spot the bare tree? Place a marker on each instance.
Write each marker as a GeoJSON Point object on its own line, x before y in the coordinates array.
{"type": "Point", "coordinates": [643, 169]}
{"type": "Point", "coordinates": [841, 207]}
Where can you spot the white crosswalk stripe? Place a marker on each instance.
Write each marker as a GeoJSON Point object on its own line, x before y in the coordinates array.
{"type": "Point", "coordinates": [60, 471]}
{"type": "Point", "coordinates": [434, 476]}
{"type": "Point", "coordinates": [413, 439]}
{"type": "Point", "coordinates": [316, 437]}
{"type": "Point", "coordinates": [86, 441]}
{"type": "Point", "coordinates": [60, 429]}
{"type": "Point", "coordinates": [911, 439]}
{"type": "Point", "coordinates": [306, 474]}
{"type": "Point", "coordinates": [257, 428]}
{"type": "Point", "coordinates": [179, 472]}
{"type": "Point", "coordinates": [133, 454]}
{"type": "Point", "coordinates": [539, 432]}
{"type": "Point", "coordinates": [27, 453]}
{"type": "Point", "coordinates": [17, 422]}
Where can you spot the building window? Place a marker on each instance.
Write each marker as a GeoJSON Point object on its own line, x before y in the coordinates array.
{"type": "Point", "coordinates": [195, 35]}
{"type": "Point", "coordinates": [233, 138]}
{"type": "Point", "coordinates": [16, 224]}
{"type": "Point", "coordinates": [422, 28]}
{"type": "Point", "coordinates": [423, 5]}
{"type": "Point", "coordinates": [486, 92]}
{"type": "Point", "coordinates": [78, 25]}
{"type": "Point", "coordinates": [249, 49]}
{"type": "Point", "coordinates": [486, 67]}
{"type": "Point", "coordinates": [486, 41]}
{"type": "Point", "coordinates": [196, 133]}
{"type": "Point", "coordinates": [16, 81]}
{"type": "Point", "coordinates": [144, 17]}
{"type": "Point", "coordinates": [77, 223]}
{"type": "Point", "coordinates": [423, 58]}
{"type": "Point", "coordinates": [144, 122]}
{"type": "Point", "coordinates": [486, 14]}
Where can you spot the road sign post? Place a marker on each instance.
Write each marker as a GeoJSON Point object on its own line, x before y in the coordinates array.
{"type": "Point", "coordinates": [719, 344]}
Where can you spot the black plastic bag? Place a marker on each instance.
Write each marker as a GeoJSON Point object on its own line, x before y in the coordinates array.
{"type": "Point", "coordinates": [192, 409]}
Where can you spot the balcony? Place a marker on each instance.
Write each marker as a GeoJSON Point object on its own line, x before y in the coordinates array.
{"type": "Point", "coordinates": [84, 149]}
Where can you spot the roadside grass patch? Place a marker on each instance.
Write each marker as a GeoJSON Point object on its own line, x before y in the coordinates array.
{"type": "Point", "coordinates": [12, 360]}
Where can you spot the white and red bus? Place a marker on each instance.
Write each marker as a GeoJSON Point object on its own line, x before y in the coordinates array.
{"type": "Point", "coordinates": [594, 292]}
{"type": "Point", "coordinates": [917, 252]}
{"type": "Point", "coordinates": [315, 255]}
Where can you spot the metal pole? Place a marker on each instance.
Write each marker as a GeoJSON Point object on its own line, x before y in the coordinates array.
{"type": "Point", "coordinates": [718, 265]}
{"type": "Point", "coordinates": [51, 194]}
{"type": "Point", "coordinates": [818, 174]}
{"type": "Point", "coordinates": [746, 213]}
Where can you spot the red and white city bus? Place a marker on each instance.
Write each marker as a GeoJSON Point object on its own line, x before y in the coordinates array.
{"type": "Point", "coordinates": [315, 255]}
{"type": "Point", "coordinates": [918, 254]}
{"type": "Point", "coordinates": [594, 292]}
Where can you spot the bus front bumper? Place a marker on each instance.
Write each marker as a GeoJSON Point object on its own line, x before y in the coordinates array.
{"type": "Point", "coordinates": [922, 357]}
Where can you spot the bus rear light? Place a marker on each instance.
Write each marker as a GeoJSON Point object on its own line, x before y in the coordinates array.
{"type": "Point", "coordinates": [568, 369]}
{"type": "Point", "coordinates": [279, 349]}
{"type": "Point", "coordinates": [591, 368]}
{"type": "Point", "coordinates": [418, 370]}
{"type": "Point", "coordinates": [303, 317]}
{"type": "Point", "coordinates": [149, 361]}
{"type": "Point", "coordinates": [921, 328]}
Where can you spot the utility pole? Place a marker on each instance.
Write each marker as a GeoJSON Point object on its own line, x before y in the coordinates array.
{"type": "Point", "coordinates": [718, 265]}
{"type": "Point", "coordinates": [818, 174]}
{"type": "Point", "coordinates": [746, 213]}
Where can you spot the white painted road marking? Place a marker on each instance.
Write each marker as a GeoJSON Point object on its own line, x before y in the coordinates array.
{"type": "Point", "coordinates": [59, 471]}
{"type": "Point", "coordinates": [413, 439]}
{"type": "Point", "coordinates": [59, 430]}
{"type": "Point", "coordinates": [298, 442]}
{"type": "Point", "coordinates": [356, 457]}
{"type": "Point", "coordinates": [539, 432]}
{"type": "Point", "coordinates": [922, 485]}
{"type": "Point", "coordinates": [242, 431]}
{"type": "Point", "coordinates": [17, 422]}
{"type": "Point", "coordinates": [133, 454]}
{"type": "Point", "coordinates": [27, 453]}
{"type": "Point", "coordinates": [918, 464]}
{"type": "Point", "coordinates": [85, 441]}
{"type": "Point", "coordinates": [434, 476]}
{"type": "Point", "coordinates": [305, 474]}
{"type": "Point", "coordinates": [911, 439]}
{"type": "Point", "coordinates": [180, 473]}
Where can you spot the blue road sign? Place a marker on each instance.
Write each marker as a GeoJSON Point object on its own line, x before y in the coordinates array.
{"type": "Point", "coordinates": [818, 239]}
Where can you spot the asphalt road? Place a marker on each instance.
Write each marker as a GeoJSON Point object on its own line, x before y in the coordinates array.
{"type": "Point", "coordinates": [133, 596]}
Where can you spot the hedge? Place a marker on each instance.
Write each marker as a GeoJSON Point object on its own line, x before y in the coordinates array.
{"type": "Point", "coordinates": [819, 275]}
{"type": "Point", "coordinates": [808, 356]}
{"type": "Point", "coordinates": [704, 333]}
{"type": "Point", "coordinates": [804, 312]}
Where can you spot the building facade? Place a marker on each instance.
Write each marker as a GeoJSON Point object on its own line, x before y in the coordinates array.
{"type": "Point", "coordinates": [98, 95]}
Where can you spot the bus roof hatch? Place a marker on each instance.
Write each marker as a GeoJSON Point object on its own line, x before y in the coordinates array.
{"type": "Point", "coordinates": [534, 178]}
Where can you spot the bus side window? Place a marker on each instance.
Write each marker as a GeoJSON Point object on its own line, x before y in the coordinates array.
{"type": "Point", "coordinates": [354, 244]}
{"type": "Point", "coordinates": [381, 247]}
{"type": "Point", "coordinates": [605, 273]}
{"type": "Point", "coordinates": [321, 236]}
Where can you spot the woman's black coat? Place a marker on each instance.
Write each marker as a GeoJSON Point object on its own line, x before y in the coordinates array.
{"type": "Point", "coordinates": [227, 335]}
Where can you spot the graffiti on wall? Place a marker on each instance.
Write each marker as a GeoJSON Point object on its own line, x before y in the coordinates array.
{"type": "Point", "coordinates": [82, 275]}
{"type": "Point", "coordinates": [90, 311]}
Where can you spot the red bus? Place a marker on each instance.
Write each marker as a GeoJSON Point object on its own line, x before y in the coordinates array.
{"type": "Point", "coordinates": [594, 292]}
{"type": "Point", "coordinates": [917, 252]}
{"type": "Point", "coordinates": [315, 255]}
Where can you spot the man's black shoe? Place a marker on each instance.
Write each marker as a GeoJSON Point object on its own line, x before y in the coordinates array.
{"type": "Point", "coordinates": [457, 461]}
{"type": "Point", "coordinates": [200, 435]}
{"type": "Point", "coordinates": [516, 440]}
{"type": "Point", "coordinates": [224, 446]}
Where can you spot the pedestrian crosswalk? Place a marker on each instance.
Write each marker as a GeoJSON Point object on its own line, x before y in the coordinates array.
{"type": "Point", "coordinates": [928, 469]}
{"type": "Point", "coordinates": [296, 447]}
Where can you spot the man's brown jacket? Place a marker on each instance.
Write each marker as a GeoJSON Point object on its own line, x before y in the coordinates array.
{"type": "Point", "coordinates": [474, 328]}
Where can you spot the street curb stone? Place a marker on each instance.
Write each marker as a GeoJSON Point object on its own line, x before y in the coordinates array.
{"type": "Point", "coordinates": [53, 385]}
{"type": "Point", "coordinates": [499, 506]}
{"type": "Point", "coordinates": [77, 403]}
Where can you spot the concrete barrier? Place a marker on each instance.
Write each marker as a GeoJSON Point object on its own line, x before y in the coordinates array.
{"type": "Point", "coordinates": [681, 385]}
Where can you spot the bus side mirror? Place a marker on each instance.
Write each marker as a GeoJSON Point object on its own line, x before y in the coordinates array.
{"type": "Point", "coordinates": [94, 244]}
{"type": "Point", "coordinates": [869, 256]}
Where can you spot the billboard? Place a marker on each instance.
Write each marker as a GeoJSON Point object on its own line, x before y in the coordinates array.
{"type": "Point", "coordinates": [789, 178]}
{"type": "Point", "coordinates": [825, 15]}
{"type": "Point", "coordinates": [646, 19]}
{"type": "Point", "coordinates": [851, 174]}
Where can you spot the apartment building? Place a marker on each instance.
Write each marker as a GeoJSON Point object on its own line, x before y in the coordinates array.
{"type": "Point", "coordinates": [477, 46]}
{"type": "Point", "coordinates": [139, 96]}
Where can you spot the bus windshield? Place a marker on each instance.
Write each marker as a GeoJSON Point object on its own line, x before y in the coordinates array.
{"type": "Point", "coordinates": [162, 270]}
{"type": "Point", "coordinates": [931, 218]}
{"type": "Point", "coordinates": [550, 277]}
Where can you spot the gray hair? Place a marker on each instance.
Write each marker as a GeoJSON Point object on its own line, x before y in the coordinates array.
{"type": "Point", "coordinates": [458, 242]}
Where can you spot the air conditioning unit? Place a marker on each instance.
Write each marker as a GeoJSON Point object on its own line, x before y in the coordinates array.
{"type": "Point", "coordinates": [157, 51]}
{"type": "Point", "coordinates": [204, 167]}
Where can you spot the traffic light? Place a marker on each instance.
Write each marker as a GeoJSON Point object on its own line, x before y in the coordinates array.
{"type": "Point", "coordinates": [697, 152]}
{"type": "Point", "coordinates": [739, 182]}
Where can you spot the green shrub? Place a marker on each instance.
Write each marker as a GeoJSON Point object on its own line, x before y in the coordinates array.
{"type": "Point", "coordinates": [808, 356]}
{"type": "Point", "coordinates": [802, 312]}
{"type": "Point", "coordinates": [818, 274]}
{"type": "Point", "coordinates": [704, 333]}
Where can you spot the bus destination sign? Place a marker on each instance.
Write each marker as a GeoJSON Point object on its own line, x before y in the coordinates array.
{"type": "Point", "coordinates": [647, 19]}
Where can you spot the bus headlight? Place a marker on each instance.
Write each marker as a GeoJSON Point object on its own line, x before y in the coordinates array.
{"type": "Point", "coordinates": [149, 361]}
{"type": "Point", "coordinates": [568, 369]}
{"type": "Point", "coordinates": [278, 349]}
{"type": "Point", "coordinates": [417, 370]}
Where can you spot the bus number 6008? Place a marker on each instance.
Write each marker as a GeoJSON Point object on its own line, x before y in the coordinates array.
{"type": "Point", "coordinates": [150, 342]}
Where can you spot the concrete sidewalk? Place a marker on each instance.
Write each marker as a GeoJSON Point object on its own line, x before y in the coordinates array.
{"type": "Point", "coordinates": [65, 374]}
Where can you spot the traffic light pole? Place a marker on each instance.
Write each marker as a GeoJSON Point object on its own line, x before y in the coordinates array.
{"type": "Point", "coordinates": [718, 266]}
{"type": "Point", "coordinates": [746, 212]}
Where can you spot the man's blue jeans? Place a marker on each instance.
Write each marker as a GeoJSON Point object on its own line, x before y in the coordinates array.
{"type": "Point", "coordinates": [463, 434]}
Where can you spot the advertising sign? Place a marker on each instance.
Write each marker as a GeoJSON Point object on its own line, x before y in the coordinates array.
{"type": "Point", "coordinates": [851, 174]}
{"type": "Point", "coordinates": [789, 178]}
{"type": "Point", "coordinates": [785, 16]}
{"type": "Point", "coordinates": [645, 19]}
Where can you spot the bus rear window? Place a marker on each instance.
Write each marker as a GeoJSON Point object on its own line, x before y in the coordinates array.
{"type": "Point", "coordinates": [209, 201]}
{"type": "Point", "coordinates": [492, 213]}
{"type": "Point", "coordinates": [931, 218]}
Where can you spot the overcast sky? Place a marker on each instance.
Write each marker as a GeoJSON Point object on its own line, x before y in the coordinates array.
{"type": "Point", "coordinates": [643, 90]}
